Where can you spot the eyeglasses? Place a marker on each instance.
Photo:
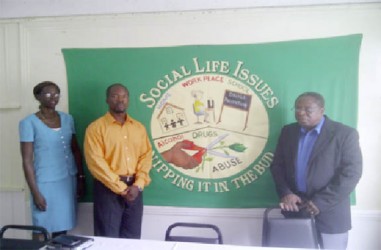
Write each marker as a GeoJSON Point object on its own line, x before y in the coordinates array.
{"type": "Point", "coordinates": [308, 111]}
{"type": "Point", "coordinates": [51, 95]}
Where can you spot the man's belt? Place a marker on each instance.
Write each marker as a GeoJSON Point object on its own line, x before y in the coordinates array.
{"type": "Point", "coordinates": [129, 180]}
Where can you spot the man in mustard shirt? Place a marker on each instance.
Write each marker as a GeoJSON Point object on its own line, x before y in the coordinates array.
{"type": "Point", "coordinates": [118, 154]}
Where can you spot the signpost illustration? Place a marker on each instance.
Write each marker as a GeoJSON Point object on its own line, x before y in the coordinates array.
{"type": "Point", "coordinates": [238, 101]}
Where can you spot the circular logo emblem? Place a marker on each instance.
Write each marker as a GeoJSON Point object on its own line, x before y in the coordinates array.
{"type": "Point", "coordinates": [209, 126]}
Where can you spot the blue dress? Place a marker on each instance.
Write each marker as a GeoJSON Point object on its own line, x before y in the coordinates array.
{"type": "Point", "coordinates": [55, 171]}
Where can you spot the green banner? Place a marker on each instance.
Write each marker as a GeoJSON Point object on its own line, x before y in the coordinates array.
{"type": "Point", "coordinates": [224, 104]}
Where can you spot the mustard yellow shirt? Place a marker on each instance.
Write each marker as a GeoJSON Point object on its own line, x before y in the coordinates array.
{"type": "Point", "coordinates": [112, 149]}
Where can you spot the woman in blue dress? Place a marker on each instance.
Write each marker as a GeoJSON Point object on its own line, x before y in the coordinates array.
{"type": "Point", "coordinates": [52, 162]}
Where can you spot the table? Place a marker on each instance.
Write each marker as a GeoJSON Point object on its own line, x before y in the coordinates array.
{"type": "Point", "coordinates": [101, 243]}
{"type": "Point", "coordinates": [196, 246]}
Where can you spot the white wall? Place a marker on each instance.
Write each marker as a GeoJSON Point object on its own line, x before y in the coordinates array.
{"type": "Point", "coordinates": [35, 8]}
{"type": "Point", "coordinates": [30, 51]}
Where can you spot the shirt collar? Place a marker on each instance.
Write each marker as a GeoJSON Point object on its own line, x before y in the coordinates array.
{"type": "Point", "coordinates": [111, 119]}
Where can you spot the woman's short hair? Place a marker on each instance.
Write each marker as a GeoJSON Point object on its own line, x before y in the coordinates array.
{"type": "Point", "coordinates": [37, 90]}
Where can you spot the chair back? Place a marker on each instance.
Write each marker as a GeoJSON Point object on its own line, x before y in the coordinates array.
{"type": "Point", "coordinates": [17, 243]}
{"type": "Point", "coordinates": [190, 236]}
{"type": "Point", "coordinates": [39, 229]}
{"type": "Point", "coordinates": [288, 232]}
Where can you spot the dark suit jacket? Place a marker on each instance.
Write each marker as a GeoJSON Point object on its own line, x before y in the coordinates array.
{"type": "Point", "coordinates": [334, 169]}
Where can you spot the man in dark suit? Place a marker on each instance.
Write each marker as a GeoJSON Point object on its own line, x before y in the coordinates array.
{"type": "Point", "coordinates": [317, 164]}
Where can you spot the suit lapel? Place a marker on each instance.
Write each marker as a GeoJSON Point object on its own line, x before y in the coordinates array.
{"type": "Point", "coordinates": [326, 135]}
{"type": "Point", "coordinates": [294, 142]}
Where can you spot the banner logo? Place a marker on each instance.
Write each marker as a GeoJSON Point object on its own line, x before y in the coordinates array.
{"type": "Point", "coordinates": [210, 125]}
